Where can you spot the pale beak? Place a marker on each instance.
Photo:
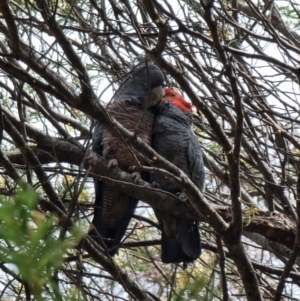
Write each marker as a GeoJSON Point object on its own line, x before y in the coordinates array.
{"type": "Point", "coordinates": [164, 93]}
{"type": "Point", "coordinates": [194, 111]}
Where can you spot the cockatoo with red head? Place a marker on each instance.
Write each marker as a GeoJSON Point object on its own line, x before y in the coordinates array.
{"type": "Point", "coordinates": [174, 139]}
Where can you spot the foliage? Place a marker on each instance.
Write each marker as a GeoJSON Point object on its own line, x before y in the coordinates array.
{"type": "Point", "coordinates": [30, 249]}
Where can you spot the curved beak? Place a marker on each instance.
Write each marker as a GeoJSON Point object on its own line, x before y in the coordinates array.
{"type": "Point", "coordinates": [194, 111]}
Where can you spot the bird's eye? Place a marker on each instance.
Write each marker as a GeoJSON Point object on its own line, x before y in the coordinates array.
{"type": "Point", "coordinates": [173, 94]}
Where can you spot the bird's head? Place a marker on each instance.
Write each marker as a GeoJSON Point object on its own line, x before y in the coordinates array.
{"type": "Point", "coordinates": [144, 83]}
{"type": "Point", "coordinates": [177, 99]}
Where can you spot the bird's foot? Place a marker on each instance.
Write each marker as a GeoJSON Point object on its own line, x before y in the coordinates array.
{"type": "Point", "coordinates": [182, 196]}
{"type": "Point", "coordinates": [136, 176]}
{"type": "Point", "coordinates": [155, 185]}
{"type": "Point", "coordinates": [112, 163]}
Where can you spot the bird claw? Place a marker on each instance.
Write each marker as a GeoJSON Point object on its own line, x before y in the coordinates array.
{"type": "Point", "coordinates": [136, 176]}
{"type": "Point", "coordinates": [112, 163]}
{"type": "Point", "coordinates": [155, 185]}
{"type": "Point", "coordinates": [182, 196]}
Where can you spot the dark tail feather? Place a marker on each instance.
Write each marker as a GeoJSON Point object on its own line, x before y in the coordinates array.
{"type": "Point", "coordinates": [111, 237]}
{"type": "Point", "coordinates": [189, 238]}
{"type": "Point", "coordinates": [185, 247]}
